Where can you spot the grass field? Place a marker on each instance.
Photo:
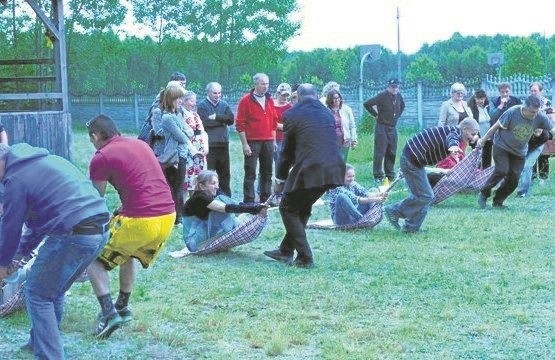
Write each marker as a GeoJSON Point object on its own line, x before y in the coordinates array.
{"type": "Point", "coordinates": [476, 284]}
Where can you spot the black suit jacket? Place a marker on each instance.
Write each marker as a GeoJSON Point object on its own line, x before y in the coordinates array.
{"type": "Point", "coordinates": [310, 148]}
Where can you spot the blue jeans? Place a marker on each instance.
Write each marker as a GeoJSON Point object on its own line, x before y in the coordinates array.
{"type": "Point", "coordinates": [525, 179]}
{"type": "Point", "coordinates": [196, 230]}
{"type": "Point", "coordinates": [415, 206]}
{"type": "Point", "coordinates": [60, 260]}
{"type": "Point", "coordinates": [346, 212]}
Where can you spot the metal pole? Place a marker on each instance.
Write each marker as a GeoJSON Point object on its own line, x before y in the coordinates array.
{"type": "Point", "coordinates": [398, 46]}
{"type": "Point", "coordinates": [360, 85]}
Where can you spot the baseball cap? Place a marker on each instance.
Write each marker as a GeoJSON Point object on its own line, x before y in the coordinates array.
{"type": "Point", "coordinates": [393, 82]}
{"type": "Point", "coordinates": [284, 88]}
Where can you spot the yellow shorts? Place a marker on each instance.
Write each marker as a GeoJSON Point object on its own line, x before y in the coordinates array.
{"type": "Point", "coordinates": [140, 238]}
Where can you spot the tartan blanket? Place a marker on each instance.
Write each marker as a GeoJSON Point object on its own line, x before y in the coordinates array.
{"type": "Point", "coordinates": [370, 219]}
{"type": "Point", "coordinates": [465, 176]}
{"type": "Point", "coordinates": [242, 234]}
{"type": "Point", "coordinates": [12, 296]}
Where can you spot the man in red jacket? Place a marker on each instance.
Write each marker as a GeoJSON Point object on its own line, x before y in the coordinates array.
{"type": "Point", "coordinates": [256, 124]}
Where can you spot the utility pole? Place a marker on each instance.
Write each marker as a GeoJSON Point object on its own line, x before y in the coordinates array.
{"type": "Point", "coordinates": [398, 46]}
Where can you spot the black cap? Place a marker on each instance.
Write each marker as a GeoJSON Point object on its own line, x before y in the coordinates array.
{"type": "Point", "coordinates": [393, 82]}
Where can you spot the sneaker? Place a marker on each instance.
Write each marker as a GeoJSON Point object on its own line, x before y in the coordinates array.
{"type": "Point", "coordinates": [520, 195]}
{"type": "Point", "coordinates": [392, 218]}
{"type": "Point", "coordinates": [107, 325]}
{"type": "Point", "coordinates": [125, 314]}
{"type": "Point", "coordinates": [482, 201]}
{"type": "Point", "coordinates": [279, 256]}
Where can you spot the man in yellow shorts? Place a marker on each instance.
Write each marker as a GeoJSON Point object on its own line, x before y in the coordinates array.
{"type": "Point", "coordinates": [143, 222]}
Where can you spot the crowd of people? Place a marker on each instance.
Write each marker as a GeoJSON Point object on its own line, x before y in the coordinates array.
{"type": "Point", "coordinates": [295, 143]}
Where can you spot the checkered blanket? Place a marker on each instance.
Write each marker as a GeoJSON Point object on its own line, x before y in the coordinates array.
{"type": "Point", "coordinates": [12, 296]}
{"type": "Point", "coordinates": [242, 234]}
{"type": "Point", "coordinates": [370, 219]}
{"type": "Point", "coordinates": [465, 176]}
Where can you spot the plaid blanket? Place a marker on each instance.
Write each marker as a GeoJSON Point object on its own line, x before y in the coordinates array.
{"type": "Point", "coordinates": [465, 176]}
{"type": "Point", "coordinates": [242, 234]}
{"type": "Point", "coordinates": [370, 219]}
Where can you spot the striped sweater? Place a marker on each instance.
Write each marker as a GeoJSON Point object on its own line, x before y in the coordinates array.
{"type": "Point", "coordinates": [431, 145]}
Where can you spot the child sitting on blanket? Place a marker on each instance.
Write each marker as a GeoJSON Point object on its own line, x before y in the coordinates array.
{"type": "Point", "coordinates": [443, 166]}
{"type": "Point", "coordinates": [348, 203]}
{"type": "Point", "coordinates": [207, 214]}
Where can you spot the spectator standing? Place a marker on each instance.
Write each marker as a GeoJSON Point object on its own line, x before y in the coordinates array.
{"type": "Point", "coordinates": [196, 159]}
{"type": "Point", "coordinates": [309, 165]}
{"type": "Point", "coordinates": [177, 145]}
{"type": "Point", "coordinates": [535, 148]}
{"type": "Point", "coordinates": [345, 125]}
{"type": "Point", "coordinates": [330, 85]}
{"type": "Point", "coordinates": [143, 222]}
{"type": "Point", "coordinates": [479, 105]}
{"type": "Point", "coordinates": [454, 110]}
{"type": "Point", "coordinates": [499, 105]}
{"type": "Point", "coordinates": [386, 107]}
{"type": "Point", "coordinates": [427, 147]}
{"type": "Point", "coordinates": [52, 197]}
{"type": "Point", "coordinates": [511, 134]}
{"type": "Point", "coordinates": [256, 124]}
{"type": "Point", "coordinates": [281, 103]}
{"type": "Point", "coordinates": [216, 116]}
{"type": "Point", "coordinates": [541, 168]}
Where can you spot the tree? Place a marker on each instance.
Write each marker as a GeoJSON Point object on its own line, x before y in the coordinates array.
{"type": "Point", "coordinates": [245, 33]}
{"type": "Point", "coordinates": [423, 68]}
{"type": "Point", "coordinates": [522, 56]}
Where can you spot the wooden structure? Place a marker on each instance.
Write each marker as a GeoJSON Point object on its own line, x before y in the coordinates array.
{"type": "Point", "coordinates": [46, 122]}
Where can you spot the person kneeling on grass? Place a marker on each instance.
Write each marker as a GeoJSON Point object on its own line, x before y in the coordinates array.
{"type": "Point", "coordinates": [348, 203]}
{"type": "Point", "coordinates": [208, 213]}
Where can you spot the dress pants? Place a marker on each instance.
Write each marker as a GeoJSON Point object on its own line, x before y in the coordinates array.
{"type": "Point", "coordinates": [295, 209]}
{"type": "Point", "coordinates": [218, 160]}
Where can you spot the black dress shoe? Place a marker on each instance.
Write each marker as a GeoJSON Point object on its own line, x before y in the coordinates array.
{"type": "Point", "coordinates": [279, 256]}
{"type": "Point", "coordinates": [303, 263]}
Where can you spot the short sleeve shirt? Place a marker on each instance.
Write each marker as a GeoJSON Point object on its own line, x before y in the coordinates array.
{"type": "Point", "coordinates": [133, 170]}
{"type": "Point", "coordinates": [197, 205]}
{"type": "Point", "coordinates": [515, 131]}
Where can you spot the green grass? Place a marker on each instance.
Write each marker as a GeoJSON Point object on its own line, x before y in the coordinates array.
{"type": "Point", "coordinates": [477, 284]}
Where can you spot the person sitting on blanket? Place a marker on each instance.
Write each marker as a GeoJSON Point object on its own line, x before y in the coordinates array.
{"type": "Point", "coordinates": [447, 163]}
{"type": "Point", "coordinates": [348, 203]}
{"type": "Point", "coordinates": [208, 213]}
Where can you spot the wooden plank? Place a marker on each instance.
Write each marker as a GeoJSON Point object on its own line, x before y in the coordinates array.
{"type": "Point", "coordinates": [31, 96]}
{"type": "Point", "coordinates": [27, 79]}
{"type": "Point", "coordinates": [26, 61]}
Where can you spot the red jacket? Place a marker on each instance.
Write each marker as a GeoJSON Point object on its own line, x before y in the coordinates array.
{"type": "Point", "coordinates": [257, 123]}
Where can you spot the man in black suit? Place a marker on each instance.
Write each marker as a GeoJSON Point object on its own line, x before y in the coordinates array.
{"type": "Point", "coordinates": [310, 164]}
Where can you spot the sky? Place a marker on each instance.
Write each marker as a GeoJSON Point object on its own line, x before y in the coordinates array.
{"type": "Point", "coordinates": [342, 24]}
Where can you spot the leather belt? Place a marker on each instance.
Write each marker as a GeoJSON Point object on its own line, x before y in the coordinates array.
{"type": "Point", "coordinates": [90, 229]}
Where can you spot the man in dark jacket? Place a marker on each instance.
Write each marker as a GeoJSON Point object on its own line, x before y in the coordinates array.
{"type": "Point", "coordinates": [390, 105]}
{"type": "Point", "coordinates": [216, 116]}
{"type": "Point", "coordinates": [310, 164]}
{"type": "Point", "coordinates": [52, 197]}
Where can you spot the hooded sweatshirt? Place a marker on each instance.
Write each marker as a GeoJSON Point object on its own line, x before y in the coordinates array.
{"type": "Point", "coordinates": [46, 192]}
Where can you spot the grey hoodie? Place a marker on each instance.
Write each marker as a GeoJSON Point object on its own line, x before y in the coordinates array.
{"type": "Point", "coordinates": [46, 192]}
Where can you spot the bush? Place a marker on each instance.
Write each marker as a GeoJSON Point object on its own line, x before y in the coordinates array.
{"type": "Point", "coordinates": [367, 124]}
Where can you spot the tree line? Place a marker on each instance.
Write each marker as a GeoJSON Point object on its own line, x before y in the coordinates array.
{"type": "Point", "coordinates": [228, 41]}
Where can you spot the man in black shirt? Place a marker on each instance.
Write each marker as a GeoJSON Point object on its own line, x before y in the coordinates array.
{"type": "Point", "coordinates": [390, 105]}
